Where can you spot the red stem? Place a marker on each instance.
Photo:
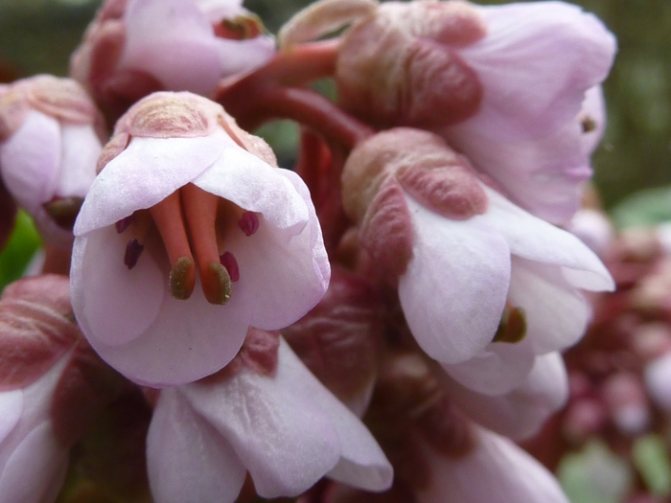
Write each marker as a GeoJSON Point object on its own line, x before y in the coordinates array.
{"type": "Point", "coordinates": [304, 106]}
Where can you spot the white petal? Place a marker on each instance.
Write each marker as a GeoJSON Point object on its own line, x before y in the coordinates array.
{"type": "Point", "coordinates": [81, 148]}
{"type": "Point", "coordinates": [36, 469]}
{"type": "Point", "coordinates": [238, 56]}
{"type": "Point", "coordinates": [455, 286]}
{"type": "Point", "coordinates": [174, 41]}
{"type": "Point", "coordinates": [534, 239]}
{"type": "Point", "coordinates": [11, 407]}
{"type": "Point", "coordinates": [30, 161]}
{"type": "Point", "coordinates": [114, 304]}
{"type": "Point", "coordinates": [497, 369]}
{"type": "Point", "coordinates": [658, 381]}
{"type": "Point", "coordinates": [284, 272]}
{"type": "Point", "coordinates": [495, 471]}
{"type": "Point", "coordinates": [187, 460]}
{"type": "Point", "coordinates": [520, 413]}
{"type": "Point", "coordinates": [556, 313]}
{"type": "Point", "coordinates": [149, 170]}
{"type": "Point", "coordinates": [254, 185]}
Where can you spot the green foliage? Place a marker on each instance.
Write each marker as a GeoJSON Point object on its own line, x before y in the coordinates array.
{"type": "Point", "coordinates": [644, 209]}
{"type": "Point", "coordinates": [20, 249]}
{"type": "Point", "coordinates": [651, 458]}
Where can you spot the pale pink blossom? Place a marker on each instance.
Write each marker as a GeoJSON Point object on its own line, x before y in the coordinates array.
{"type": "Point", "coordinates": [594, 229]}
{"type": "Point", "coordinates": [657, 377]}
{"type": "Point", "coordinates": [51, 386]}
{"type": "Point", "coordinates": [494, 470]}
{"type": "Point", "coordinates": [513, 87]}
{"type": "Point", "coordinates": [134, 47]}
{"type": "Point", "coordinates": [485, 287]}
{"type": "Point", "coordinates": [271, 419]}
{"type": "Point", "coordinates": [189, 235]}
{"type": "Point", "coordinates": [520, 413]}
{"type": "Point", "coordinates": [49, 145]}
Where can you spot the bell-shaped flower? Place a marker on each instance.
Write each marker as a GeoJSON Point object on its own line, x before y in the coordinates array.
{"type": "Point", "coordinates": [51, 387]}
{"type": "Point", "coordinates": [134, 47]}
{"type": "Point", "coordinates": [49, 145]}
{"type": "Point", "coordinates": [520, 413]}
{"type": "Point", "coordinates": [513, 87]}
{"type": "Point", "coordinates": [494, 470]}
{"type": "Point", "coordinates": [264, 414]}
{"type": "Point", "coordinates": [484, 286]}
{"type": "Point", "coordinates": [189, 235]}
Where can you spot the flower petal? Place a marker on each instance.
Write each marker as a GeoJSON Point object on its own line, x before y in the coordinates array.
{"type": "Point", "coordinates": [284, 272]}
{"type": "Point", "coordinates": [556, 313]}
{"type": "Point", "coordinates": [30, 161]}
{"type": "Point", "coordinates": [36, 469]}
{"type": "Point", "coordinates": [520, 413]}
{"type": "Point", "coordinates": [174, 41]}
{"type": "Point", "coordinates": [113, 304]}
{"type": "Point", "coordinates": [454, 289]}
{"type": "Point", "coordinates": [495, 471]}
{"type": "Point", "coordinates": [496, 370]}
{"type": "Point", "coordinates": [187, 459]}
{"type": "Point", "coordinates": [238, 56]}
{"type": "Point", "coordinates": [11, 408]}
{"type": "Point", "coordinates": [81, 148]}
{"type": "Point", "coordinates": [254, 185]}
{"type": "Point", "coordinates": [149, 170]}
{"type": "Point", "coordinates": [533, 239]}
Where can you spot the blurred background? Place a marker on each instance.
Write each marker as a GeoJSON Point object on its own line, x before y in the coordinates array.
{"type": "Point", "coordinates": [633, 164]}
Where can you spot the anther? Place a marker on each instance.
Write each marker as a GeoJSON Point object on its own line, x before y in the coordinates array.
{"type": "Point", "coordinates": [513, 326]}
{"type": "Point", "coordinates": [64, 211]}
{"type": "Point", "coordinates": [182, 278]}
{"type": "Point", "coordinates": [231, 264]}
{"type": "Point", "coordinates": [216, 283]}
{"type": "Point", "coordinates": [133, 251]}
{"type": "Point", "coordinates": [249, 223]}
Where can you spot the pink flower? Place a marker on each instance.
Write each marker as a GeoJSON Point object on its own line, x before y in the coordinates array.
{"type": "Point", "coordinates": [267, 415]}
{"type": "Point", "coordinates": [520, 413]}
{"type": "Point", "coordinates": [190, 207]}
{"type": "Point", "coordinates": [512, 87]}
{"type": "Point", "coordinates": [51, 386]}
{"type": "Point", "coordinates": [484, 286]}
{"type": "Point", "coordinates": [134, 47]}
{"type": "Point", "coordinates": [495, 470]}
{"type": "Point", "coordinates": [49, 145]}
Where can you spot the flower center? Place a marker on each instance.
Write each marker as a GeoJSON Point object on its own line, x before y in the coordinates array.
{"type": "Point", "coordinates": [189, 223]}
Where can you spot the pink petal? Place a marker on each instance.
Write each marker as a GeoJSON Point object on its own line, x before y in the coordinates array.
{"type": "Point", "coordinates": [533, 239]}
{"type": "Point", "coordinates": [81, 148]}
{"type": "Point", "coordinates": [187, 459]}
{"type": "Point", "coordinates": [495, 471]}
{"type": "Point", "coordinates": [657, 378]}
{"type": "Point", "coordinates": [254, 185]}
{"type": "Point", "coordinates": [455, 287]}
{"type": "Point", "coordinates": [289, 430]}
{"type": "Point", "coordinates": [216, 10]}
{"type": "Point", "coordinates": [113, 304]}
{"type": "Point", "coordinates": [536, 63]}
{"type": "Point", "coordinates": [36, 469]}
{"type": "Point", "coordinates": [238, 56]}
{"type": "Point", "coordinates": [556, 313]}
{"type": "Point", "coordinates": [284, 272]}
{"type": "Point", "coordinates": [30, 161]}
{"type": "Point", "coordinates": [11, 408]}
{"type": "Point", "coordinates": [520, 413]}
{"type": "Point", "coordinates": [174, 41]}
{"type": "Point", "coordinates": [496, 370]}
{"type": "Point", "coordinates": [145, 173]}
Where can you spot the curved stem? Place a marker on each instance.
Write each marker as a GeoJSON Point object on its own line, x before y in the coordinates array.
{"type": "Point", "coordinates": [304, 106]}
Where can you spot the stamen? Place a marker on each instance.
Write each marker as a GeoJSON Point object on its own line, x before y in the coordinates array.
{"type": "Point", "coordinates": [513, 326]}
{"type": "Point", "coordinates": [200, 210]}
{"type": "Point", "coordinates": [167, 216]}
{"type": "Point", "coordinates": [64, 211]}
{"type": "Point", "coordinates": [231, 264]}
{"type": "Point", "coordinates": [182, 278]}
{"type": "Point", "coordinates": [588, 124]}
{"type": "Point", "coordinates": [217, 284]}
{"type": "Point", "coordinates": [124, 223]}
{"type": "Point", "coordinates": [133, 251]}
{"type": "Point", "coordinates": [249, 223]}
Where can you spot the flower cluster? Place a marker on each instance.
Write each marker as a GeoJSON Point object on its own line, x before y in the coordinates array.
{"type": "Point", "coordinates": [386, 317]}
